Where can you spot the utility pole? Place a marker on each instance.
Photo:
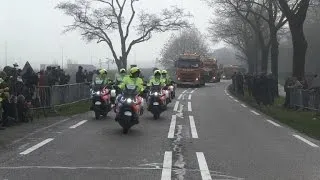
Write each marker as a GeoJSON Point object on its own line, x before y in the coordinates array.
{"type": "Point", "coordinates": [62, 57]}
{"type": "Point", "coordinates": [6, 52]}
{"type": "Point", "coordinates": [100, 63]}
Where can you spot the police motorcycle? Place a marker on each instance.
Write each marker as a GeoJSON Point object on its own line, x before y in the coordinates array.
{"type": "Point", "coordinates": [128, 107]}
{"type": "Point", "coordinates": [156, 100]}
{"type": "Point", "coordinates": [101, 99]}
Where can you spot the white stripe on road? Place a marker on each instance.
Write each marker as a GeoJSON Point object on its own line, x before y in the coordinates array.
{"type": "Point", "coordinates": [275, 124]}
{"type": "Point", "coordinates": [189, 97]}
{"type": "Point", "coordinates": [304, 140]}
{"type": "Point", "coordinates": [205, 173]}
{"type": "Point", "coordinates": [236, 100]}
{"type": "Point", "coordinates": [254, 112]}
{"type": "Point", "coordinates": [180, 96]}
{"type": "Point", "coordinates": [192, 91]}
{"type": "Point", "coordinates": [167, 165]}
{"type": "Point", "coordinates": [243, 105]}
{"type": "Point", "coordinates": [36, 146]}
{"type": "Point", "coordinates": [172, 126]}
{"type": "Point", "coordinates": [176, 105]}
{"type": "Point", "coordinates": [78, 124]}
{"type": "Point", "coordinates": [189, 107]}
{"type": "Point", "coordinates": [194, 132]}
{"type": "Point", "coordinates": [227, 94]}
{"type": "Point", "coordinates": [231, 97]}
{"type": "Point", "coordinates": [184, 91]}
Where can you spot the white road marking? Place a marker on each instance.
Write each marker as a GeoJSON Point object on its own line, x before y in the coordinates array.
{"type": "Point", "coordinates": [227, 94]}
{"type": "Point", "coordinates": [78, 167]}
{"type": "Point", "coordinates": [180, 96]}
{"type": "Point", "coordinates": [189, 97]}
{"type": "Point", "coordinates": [243, 105]}
{"type": "Point", "coordinates": [189, 107]}
{"type": "Point", "coordinates": [36, 146]}
{"type": "Point", "coordinates": [39, 130]}
{"type": "Point", "coordinates": [176, 105]}
{"type": "Point", "coordinates": [236, 100]}
{"type": "Point", "coordinates": [194, 132]}
{"type": "Point", "coordinates": [273, 123]}
{"type": "Point", "coordinates": [167, 166]}
{"type": "Point", "coordinates": [231, 97]}
{"type": "Point", "coordinates": [172, 126]}
{"type": "Point", "coordinates": [305, 140]}
{"type": "Point", "coordinates": [192, 91]}
{"type": "Point", "coordinates": [184, 91]}
{"type": "Point", "coordinates": [78, 124]}
{"type": "Point", "coordinates": [254, 112]}
{"type": "Point", "coordinates": [205, 173]}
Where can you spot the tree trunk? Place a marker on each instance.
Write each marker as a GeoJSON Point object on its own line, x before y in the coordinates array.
{"type": "Point", "coordinates": [274, 56]}
{"type": "Point", "coordinates": [264, 59]}
{"type": "Point", "coordinates": [300, 46]}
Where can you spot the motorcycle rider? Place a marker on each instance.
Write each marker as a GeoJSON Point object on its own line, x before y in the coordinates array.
{"type": "Point", "coordinates": [156, 78]}
{"type": "Point", "coordinates": [119, 77]}
{"type": "Point", "coordinates": [132, 79]}
{"type": "Point", "coordinates": [165, 77]}
{"type": "Point", "coordinates": [100, 81]}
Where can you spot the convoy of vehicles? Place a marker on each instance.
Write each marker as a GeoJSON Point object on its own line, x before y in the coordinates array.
{"type": "Point", "coordinates": [189, 70]}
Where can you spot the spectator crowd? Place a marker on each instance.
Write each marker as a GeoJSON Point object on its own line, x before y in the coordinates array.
{"type": "Point", "coordinates": [299, 93]}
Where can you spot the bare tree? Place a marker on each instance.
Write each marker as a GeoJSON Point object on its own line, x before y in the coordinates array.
{"type": "Point", "coordinates": [96, 19]}
{"type": "Point", "coordinates": [231, 8]}
{"type": "Point", "coordinates": [189, 41]}
{"type": "Point", "coordinates": [296, 12]}
{"type": "Point", "coordinates": [238, 33]}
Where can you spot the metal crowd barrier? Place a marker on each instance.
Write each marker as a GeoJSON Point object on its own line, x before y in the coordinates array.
{"type": "Point", "coordinates": [301, 98]}
{"type": "Point", "coordinates": [50, 96]}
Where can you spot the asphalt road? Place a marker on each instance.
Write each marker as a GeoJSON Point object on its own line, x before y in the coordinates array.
{"type": "Point", "coordinates": [205, 134]}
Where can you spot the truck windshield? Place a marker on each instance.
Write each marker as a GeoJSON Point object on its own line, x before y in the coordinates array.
{"type": "Point", "coordinates": [188, 64]}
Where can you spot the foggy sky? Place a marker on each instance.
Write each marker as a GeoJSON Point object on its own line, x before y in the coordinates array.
{"type": "Point", "coordinates": [33, 31]}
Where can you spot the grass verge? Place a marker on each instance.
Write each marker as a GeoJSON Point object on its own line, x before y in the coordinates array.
{"type": "Point", "coordinates": [74, 108]}
{"type": "Point", "coordinates": [306, 122]}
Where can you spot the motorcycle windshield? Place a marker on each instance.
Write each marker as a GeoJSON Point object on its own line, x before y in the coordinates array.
{"type": "Point", "coordinates": [155, 88]}
{"type": "Point", "coordinates": [130, 91]}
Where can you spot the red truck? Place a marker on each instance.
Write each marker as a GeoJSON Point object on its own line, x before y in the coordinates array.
{"type": "Point", "coordinates": [211, 69]}
{"type": "Point", "coordinates": [189, 70]}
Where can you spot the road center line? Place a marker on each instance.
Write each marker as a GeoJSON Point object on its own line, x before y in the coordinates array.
{"type": "Point", "coordinates": [78, 124]}
{"type": "Point", "coordinates": [172, 126]}
{"type": "Point", "coordinates": [189, 107]}
{"type": "Point", "coordinates": [194, 132]}
{"type": "Point", "coordinates": [205, 173]}
{"type": "Point", "coordinates": [36, 146]}
{"type": "Point", "coordinates": [305, 140]}
{"type": "Point", "coordinates": [254, 112]}
{"type": "Point", "coordinates": [236, 100]}
{"type": "Point", "coordinates": [180, 96]}
{"type": "Point", "coordinates": [243, 105]}
{"type": "Point", "coordinates": [273, 123]}
{"type": "Point", "coordinates": [167, 165]}
{"type": "Point", "coordinates": [176, 105]}
{"type": "Point", "coordinates": [189, 97]}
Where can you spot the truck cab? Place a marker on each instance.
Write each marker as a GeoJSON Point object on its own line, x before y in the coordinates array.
{"type": "Point", "coordinates": [189, 70]}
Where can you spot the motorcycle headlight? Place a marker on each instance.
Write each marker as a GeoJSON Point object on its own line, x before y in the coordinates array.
{"type": "Point", "coordinates": [129, 100]}
{"type": "Point", "coordinates": [156, 93]}
{"type": "Point", "coordinates": [98, 92]}
{"type": "Point", "coordinates": [197, 79]}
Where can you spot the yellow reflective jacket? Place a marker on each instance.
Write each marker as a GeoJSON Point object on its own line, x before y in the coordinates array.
{"type": "Point", "coordinates": [127, 80]}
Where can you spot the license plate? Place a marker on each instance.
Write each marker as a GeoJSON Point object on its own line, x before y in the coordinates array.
{"type": "Point", "coordinates": [97, 103]}
{"type": "Point", "coordinates": [156, 103]}
{"type": "Point", "coordinates": [128, 113]}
